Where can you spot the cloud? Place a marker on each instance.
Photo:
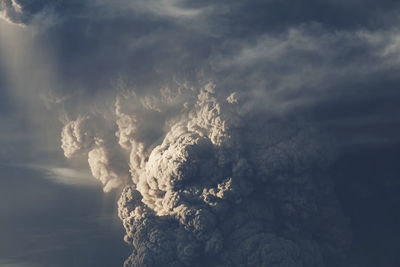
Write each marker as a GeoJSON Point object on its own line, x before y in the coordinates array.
{"type": "Point", "coordinates": [11, 11]}
{"type": "Point", "coordinates": [214, 183]}
{"type": "Point", "coordinates": [229, 172]}
{"type": "Point", "coordinates": [169, 8]}
{"type": "Point", "coordinates": [23, 13]}
{"type": "Point", "coordinates": [85, 136]}
{"type": "Point", "coordinates": [61, 174]}
{"type": "Point", "coordinates": [102, 168]}
{"type": "Point", "coordinates": [68, 176]}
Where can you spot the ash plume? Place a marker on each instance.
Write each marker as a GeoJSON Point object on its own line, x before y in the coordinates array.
{"type": "Point", "coordinates": [213, 184]}
{"type": "Point", "coordinates": [86, 137]}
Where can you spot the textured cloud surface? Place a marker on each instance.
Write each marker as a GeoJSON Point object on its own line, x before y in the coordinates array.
{"type": "Point", "coordinates": [232, 172]}
{"type": "Point", "coordinates": [213, 184]}
{"type": "Point", "coordinates": [83, 136]}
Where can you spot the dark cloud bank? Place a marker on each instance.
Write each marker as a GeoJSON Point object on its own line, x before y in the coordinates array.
{"type": "Point", "coordinates": [260, 133]}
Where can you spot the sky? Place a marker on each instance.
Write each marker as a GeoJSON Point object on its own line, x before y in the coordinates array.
{"type": "Point", "coordinates": [244, 133]}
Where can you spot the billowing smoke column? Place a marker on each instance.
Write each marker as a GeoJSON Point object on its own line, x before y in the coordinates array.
{"type": "Point", "coordinates": [107, 163]}
{"type": "Point", "coordinates": [212, 184]}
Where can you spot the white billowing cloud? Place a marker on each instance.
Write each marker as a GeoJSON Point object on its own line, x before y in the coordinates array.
{"type": "Point", "coordinates": [76, 136]}
{"type": "Point", "coordinates": [110, 174]}
{"type": "Point", "coordinates": [143, 121]}
{"type": "Point", "coordinates": [85, 136]}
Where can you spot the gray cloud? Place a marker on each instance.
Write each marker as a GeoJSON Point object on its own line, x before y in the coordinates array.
{"type": "Point", "coordinates": [216, 185]}
{"type": "Point", "coordinates": [11, 11]}
{"type": "Point", "coordinates": [23, 12]}
{"type": "Point", "coordinates": [230, 172]}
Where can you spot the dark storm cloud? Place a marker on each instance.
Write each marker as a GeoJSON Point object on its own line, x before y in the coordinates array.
{"type": "Point", "coordinates": [224, 171]}
{"type": "Point", "coordinates": [260, 45]}
{"type": "Point", "coordinates": [149, 42]}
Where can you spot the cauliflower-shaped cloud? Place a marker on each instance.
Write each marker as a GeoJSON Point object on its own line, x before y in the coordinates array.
{"type": "Point", "coordinates": [213, 185]}
{"type": "Point", "coordinates": [85, 136]}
